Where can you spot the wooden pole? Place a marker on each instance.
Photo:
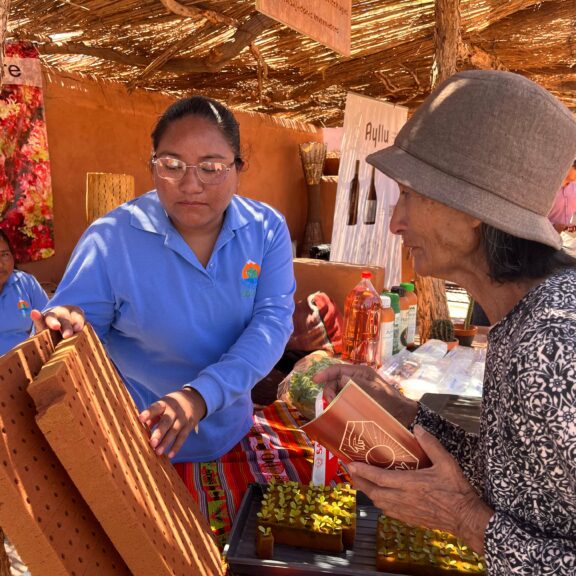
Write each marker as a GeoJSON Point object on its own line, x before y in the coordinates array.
{"type": "Point", "coordinates": [447, 39]}
{"type": "Point", "coordinates": [4, 10]}
{"type": "Point", "coordinates": [431, 292]}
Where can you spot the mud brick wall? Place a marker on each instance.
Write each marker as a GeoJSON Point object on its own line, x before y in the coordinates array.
{"type": "Point", "coordinates": [91, 423]}
{"type": "Point", "coordinates": [41, 510]}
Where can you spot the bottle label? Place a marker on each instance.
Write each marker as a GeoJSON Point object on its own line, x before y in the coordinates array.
{"type": "Point", "coordinates": [403, 328]}
{"type": "Point", "coordinates": [411, 330]}
{"type": "Point", "coordinates": [386, 340]}
{"type": "Point", "coordinates": [396, 346]}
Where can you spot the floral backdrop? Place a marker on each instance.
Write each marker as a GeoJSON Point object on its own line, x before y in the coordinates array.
{"type": "Point", "coordinates": [25, 185]}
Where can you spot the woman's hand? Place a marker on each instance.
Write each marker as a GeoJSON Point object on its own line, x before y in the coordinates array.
{"type": "Point", "coordinates": [335, 377]}
{"type": "Point", "coordinates": [173, 417]}
{"type": "Point", "coordinates": [66, 319]}
{"type": "Point", "coordinates": [436, 497]}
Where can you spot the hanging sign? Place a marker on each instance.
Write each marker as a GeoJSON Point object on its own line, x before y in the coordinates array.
{"type": "Point", "coordinates": [326, 21]}
{"type": "Point", "coordinates": [365, 198]}
{"type": "Point", "coordinates": [25, 183]}
{"type": "Point", "coordinates": [22, 71]}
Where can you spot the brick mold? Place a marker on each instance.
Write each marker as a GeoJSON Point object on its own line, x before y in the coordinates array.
{"type": "Point", "coordinates": [41, 510]}
{"type": "Point", "coordinates": [90, 420]}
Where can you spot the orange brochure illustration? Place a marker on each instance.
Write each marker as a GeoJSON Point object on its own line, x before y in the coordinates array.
{"type": "Point", "coordinates": [356, 428]}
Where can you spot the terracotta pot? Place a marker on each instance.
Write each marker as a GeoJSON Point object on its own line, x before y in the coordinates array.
{"type": "Point", "coordinates": [452, 344]}
{"type": "Point", "coordinates": [465, 335]}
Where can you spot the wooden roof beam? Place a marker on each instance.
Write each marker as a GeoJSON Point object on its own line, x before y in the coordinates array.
{"type": "Point", "coordinates": [192, 12]}
{"type": "Point", "coordinates": [217, 59]}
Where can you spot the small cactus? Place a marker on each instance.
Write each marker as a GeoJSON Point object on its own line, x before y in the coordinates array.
{"type": "Point", "coordinates": [442, 330]}
{"type": "Point", "coordinates": [469, 312]}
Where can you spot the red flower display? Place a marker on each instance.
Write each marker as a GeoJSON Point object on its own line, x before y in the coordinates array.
{"type": "Point", "coordinates": [25, 185]}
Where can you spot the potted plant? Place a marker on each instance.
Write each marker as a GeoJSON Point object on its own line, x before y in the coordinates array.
{"type": "Point", "coordinates": [444, 330]}
{"type": "Point", "coordinates": [465, 332]}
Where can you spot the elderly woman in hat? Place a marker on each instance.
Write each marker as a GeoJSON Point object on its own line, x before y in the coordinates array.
{"type": "Point", "coordinates": [478, 166]}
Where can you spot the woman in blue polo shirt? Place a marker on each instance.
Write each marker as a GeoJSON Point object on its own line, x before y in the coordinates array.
{"type": "Point", "coordinates": [19, 294]}
{"type": "Point", "coordinates": [190, 287]}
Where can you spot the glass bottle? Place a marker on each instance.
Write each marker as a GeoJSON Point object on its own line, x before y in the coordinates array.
{"type": "Point", "coordinates": [361, 335]}
{"type": "Point", "coordinates": [371, 202]}
{"type": "Point", "coordinates": [354, 196]}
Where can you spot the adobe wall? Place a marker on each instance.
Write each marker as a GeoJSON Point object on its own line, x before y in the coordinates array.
{"type": "Point", "coordinates": [99, 127]}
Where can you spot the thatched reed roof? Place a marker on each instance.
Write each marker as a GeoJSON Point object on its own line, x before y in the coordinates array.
{"type": "Point", "coordinates": [227, 50]}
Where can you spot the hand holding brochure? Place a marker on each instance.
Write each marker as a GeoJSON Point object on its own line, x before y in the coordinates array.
{"type": "Point", "coordinates": [357, 428]}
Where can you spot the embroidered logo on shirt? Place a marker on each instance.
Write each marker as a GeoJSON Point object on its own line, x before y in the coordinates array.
{"type": "Point", "coordinates": [24, 307]}
{"type": "Point", "coordinates": [250, 275]}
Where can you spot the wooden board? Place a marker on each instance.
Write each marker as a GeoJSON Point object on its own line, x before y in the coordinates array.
{"type": "Point", "coordinates": [327, 21]}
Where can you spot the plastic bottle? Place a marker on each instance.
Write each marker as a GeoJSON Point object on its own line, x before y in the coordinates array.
{"type": "Point", "coordinates": [371, 202]}
{"type": "Point", "coordinates": [404, 305]}
{"type": "Point", "coordinates": [361, 337]}
{"type": "Point", "coordinates": [387, 319]}
{"type": "Point", "coordinates": [354, 196]}
{"type": "Point", "coordinates": [412, 312]}
{"type": "Point", "coordinates": [395, 305]}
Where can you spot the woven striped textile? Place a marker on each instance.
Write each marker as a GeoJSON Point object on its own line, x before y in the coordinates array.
{"type": "Point", "coordinates": [275, 447]}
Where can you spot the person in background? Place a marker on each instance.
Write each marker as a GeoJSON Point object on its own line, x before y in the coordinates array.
{"type": "Point", "coordinates": [478, 165]}
{"type": "Point", "coordinates": [20, 292]}
{"type": "Point", "coordinates": [564, 205]}
{"type": "Point", "coordinates": [190, 287]}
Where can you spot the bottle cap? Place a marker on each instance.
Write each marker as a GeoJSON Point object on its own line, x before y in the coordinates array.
{"type": "Point", "coordinates": [394, 298]}
{"type": "Point", "coordinates": [385, 300]}
{"type": "Point", "coordinates": [407, 286]}
{"type": "Point", "coordinates": [366, 274]}
{"type": "Point", "coordinates": [398, 290]}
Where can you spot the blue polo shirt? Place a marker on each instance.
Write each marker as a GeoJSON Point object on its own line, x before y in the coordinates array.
{"type": "Point", "coordinates": [166, 321]}
{"type": "Point", "coordinates": [21, 294]}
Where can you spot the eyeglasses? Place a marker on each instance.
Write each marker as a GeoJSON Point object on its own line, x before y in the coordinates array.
{"type": "Point", "coordinates": [207, 172]}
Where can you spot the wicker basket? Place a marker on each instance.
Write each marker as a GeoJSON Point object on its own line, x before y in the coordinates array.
{"type": "Point", "coordinates": [106, 191]}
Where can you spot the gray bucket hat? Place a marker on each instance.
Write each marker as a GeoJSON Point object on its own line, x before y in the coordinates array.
{"type": "Point", "coordinates": [492, 144]}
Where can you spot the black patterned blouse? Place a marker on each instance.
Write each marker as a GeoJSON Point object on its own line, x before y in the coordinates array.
{"type": "Point", "coordinates": [523, 462]}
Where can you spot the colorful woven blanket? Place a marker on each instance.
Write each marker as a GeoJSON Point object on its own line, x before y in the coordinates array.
{"type": "Point", "coordinates": [275, 447]}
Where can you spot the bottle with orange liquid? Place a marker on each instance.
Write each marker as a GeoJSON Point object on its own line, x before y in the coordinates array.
{"type": "Point", "coordinates": [361, 337]}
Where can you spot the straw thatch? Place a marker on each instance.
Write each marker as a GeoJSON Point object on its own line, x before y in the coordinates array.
{"type": "Point", "coordinates": [227, 50]}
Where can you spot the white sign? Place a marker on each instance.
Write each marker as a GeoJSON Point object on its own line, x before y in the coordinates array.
{"type": "Point", "coordinates": [369, 125]}
{"type": "Point", "coordinates": [23, 71]}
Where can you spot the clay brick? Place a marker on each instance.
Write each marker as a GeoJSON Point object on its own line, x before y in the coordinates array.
{"type": "Point", "coordinates": [41, 510]}
{"type": "Point", "coordinates": [91, 422]}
